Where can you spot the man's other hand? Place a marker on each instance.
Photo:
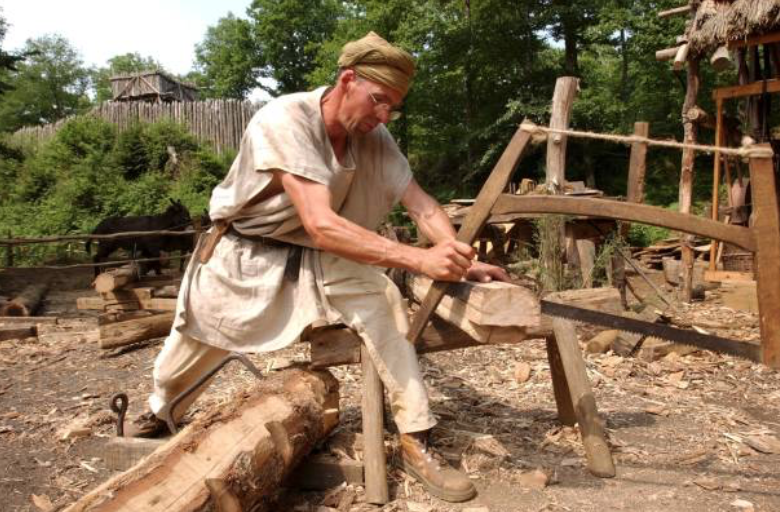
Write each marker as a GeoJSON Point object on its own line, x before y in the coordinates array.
{"type": "Point", "coordinates": [449, 260]}
{"type": "Point", "coordinates": [485, 273]}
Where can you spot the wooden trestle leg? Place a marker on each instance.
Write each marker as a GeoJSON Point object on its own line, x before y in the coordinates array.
{"type": "Point", "coordinates": [375, 462]}
{"type": "Point", "coordinates": [581, 395]}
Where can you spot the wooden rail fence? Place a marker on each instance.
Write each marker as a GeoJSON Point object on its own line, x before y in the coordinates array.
{"type": "Point", "coordinates": [219, 122]}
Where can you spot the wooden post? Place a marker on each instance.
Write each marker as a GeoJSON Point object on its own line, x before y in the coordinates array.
{"type": "Point", "coordinates": [767, 233]}
{"type": "Point", "coordinates": [686, 175]}
{"type": "Point", "coordinates": [563, 98]}
{"type": "Point", "coordinates": [716, 180]}
{"type": "Point", "coordinates": [566, 414]}
{"type": "Point", "coordinates": [555, 173]}
{"type": "Point", "coordinates": [9, 253]}
{"type": "Point", "coordinates": [373, 432]}
{"type": "Point", "coordinates": [596, 449]}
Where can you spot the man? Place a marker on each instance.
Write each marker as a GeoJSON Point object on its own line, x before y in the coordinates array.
{"type": "Point", "coordinates": [295, 243]}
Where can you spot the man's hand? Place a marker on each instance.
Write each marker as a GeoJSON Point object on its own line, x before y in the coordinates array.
{"type": "Point", "coordinates": [447, 261]}
{"type": "Point", "coordinates": [485, 273]}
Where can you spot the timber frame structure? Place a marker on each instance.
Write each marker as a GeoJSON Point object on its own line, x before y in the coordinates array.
{"type": "Point", "coordinates": [735, 34]}
{"type": "Point", "coordinates": [763, 238]}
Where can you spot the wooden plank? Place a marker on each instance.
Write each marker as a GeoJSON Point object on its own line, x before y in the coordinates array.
{"type": "Point", "coordinates": [591, 425]}
{"type": "Point", "coordinates": [645, 214]}
{"type": "Point", "coordinates": [373, 410]}
{"type": "Point", "coordinates": [495, 184]}
{"type": "Point", "coordinates": [122, 453]}
{"type": "Point", "coordinates": [487, 304]}
{"type": "Point", "coordinates": [16, 333]}
{"type": "Point", "coordinates": [767, 229]}
{"type": "Point", "coordinates": [159, 303]}
{"type": "Point", "coordinates": [90, 303]}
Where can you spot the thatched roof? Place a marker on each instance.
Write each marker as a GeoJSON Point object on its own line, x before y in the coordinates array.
{"type": "Point", "coordinates": [720, 21]}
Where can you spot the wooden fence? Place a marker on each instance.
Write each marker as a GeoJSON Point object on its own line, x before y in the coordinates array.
{"type": "Point", "coordinates": [218, 122]}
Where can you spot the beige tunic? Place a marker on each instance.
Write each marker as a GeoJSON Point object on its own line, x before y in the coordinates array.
{"type": "Point", "coordinates": [240, 299]}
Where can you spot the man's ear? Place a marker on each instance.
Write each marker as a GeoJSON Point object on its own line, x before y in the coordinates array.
{"type": "Point", "coordinates": [347, 75]}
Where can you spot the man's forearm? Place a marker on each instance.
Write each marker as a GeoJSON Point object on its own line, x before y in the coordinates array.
{"type": "Point", "coordinates": [433, 222]}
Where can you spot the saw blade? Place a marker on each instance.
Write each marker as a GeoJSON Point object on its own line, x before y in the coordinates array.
{"type": "Point", "coordinates": [745, 350]}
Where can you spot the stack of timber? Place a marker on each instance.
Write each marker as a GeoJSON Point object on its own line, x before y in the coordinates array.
{"type": "Point", "coordinates": [234, 458]}
{"type": "Point", "coordinates": [653, 256]}
{"type": "Point", "coordinates": [49, 329]}
{"type": "Point", "coordinates": [121, 289]}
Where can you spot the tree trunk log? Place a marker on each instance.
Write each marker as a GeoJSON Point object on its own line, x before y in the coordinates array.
{"type": "Point", "coordinates": [135, 330]}
{"type": "Point", "coordinates": [234, 458]}
{"type": "Point", "coordinates": [27, 302]}
{"type": "Point", "coordinates": [115, 279]}
{"type": "Point", "coordinates": [686, 175]}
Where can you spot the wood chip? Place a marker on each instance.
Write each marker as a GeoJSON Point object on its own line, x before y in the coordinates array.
{"type": "Point", "coordinates": [743, 505]}
{"type": "Point", "coordinates": [764, 444]}
{"type": "Point", "coordinates": [413, 506]}
{"type": "Point", "coordinates": [522, 372]}
{"type": "Point", "coordinates": [536, 479]}
{"type": "Point", "coordinates": [42, 502]}
{"type": "Point", "coordinates": [708, 483]}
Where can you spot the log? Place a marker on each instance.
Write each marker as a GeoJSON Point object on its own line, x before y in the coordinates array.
{"type": "Point", "coordinates": [721, 59]}
{"type": "Point", "coordinates": [237, 455]}
{"type": "Point", "coordinates": [681, 57]}
{"type": "Point", "coordinates": [27, 302]}
{"type": "Point", "coordinates": [666, 54]}
{"type": "Point", "coordinates": [135, 330]}
{"type": "Point", "coordinates": [116, 278]}
{"type": "Point", "coordinates": [675, 11]}
{"type": "Point", "coordinates": [495, 303]}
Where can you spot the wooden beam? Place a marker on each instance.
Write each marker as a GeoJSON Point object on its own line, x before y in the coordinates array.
{"type": "Point", "coordinates": [716, 179]}
{"type": "Point", "coordinates": [645, 214]}
{"type": "Point", "coordinates": [637, 167]}
{"type": "Point", "coordinates": [673, 12]}
{"type": "Point", "coordinates": [751, 89]}
{"type": "Point", "coordinates": [772, 37]}
{"type": "Point", "coordinates": [767, 228]}
{"type": "Point", "coordinates": [245, 449]}
{"type": "Point", "coordinates": [681, 57]}
{"type": "Point", "coordinates": [116, 278]}
{"type": "Point", "coordinates": [563, 97]}
{"type": "Point", "coordinates": [667, 53]}
{"type": "Point", "coordinates": [478, 214]}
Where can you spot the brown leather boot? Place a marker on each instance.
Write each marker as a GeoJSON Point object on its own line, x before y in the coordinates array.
{"type": "Point", "coordinates": [147, 425]}
{"type": "Point", "coordinates": [437, 477]}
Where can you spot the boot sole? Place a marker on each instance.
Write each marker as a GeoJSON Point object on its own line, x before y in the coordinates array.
{"type": "Point", "coordinates": [452, 497]}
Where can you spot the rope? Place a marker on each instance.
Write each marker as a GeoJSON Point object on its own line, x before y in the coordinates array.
{"type": "Point", "coordinates": [750, 151]}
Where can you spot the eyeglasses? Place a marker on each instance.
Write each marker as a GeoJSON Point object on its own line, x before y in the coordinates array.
{"type": "Point", "coordinates": [393, 114]}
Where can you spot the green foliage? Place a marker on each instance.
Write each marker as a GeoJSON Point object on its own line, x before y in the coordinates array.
{"type": "Point", "coordinates": [287, 34]}
{"type": "Point", "coordinates": [228, 59]}
{"type": "Point", "coordinates": [49, 85]}
{"type": "Point", "coordinates": [7, 60]}
{"type": "Point", "coordinates": [88, 171]}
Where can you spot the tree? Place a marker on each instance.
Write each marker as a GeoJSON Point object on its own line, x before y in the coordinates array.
{"type": "Point", "coordinates": [227, 60]}
{"type": "Point", "coordinates": [118, 65]}
{"type": "Point", "coordinates": [287, 34]}
{"type": "Point", "coordinates": [49, 85]}
{"type": "Point", "coordinates": [7, 60]}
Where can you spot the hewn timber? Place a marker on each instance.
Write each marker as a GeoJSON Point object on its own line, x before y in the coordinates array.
{"type": "Point", "coordinates": [478, 214]}
{"type": "Point", "coordinates": [244, 449]}
{"type": "Point", "coordinates": [135, 330]}
{"type": "Point", "coordinates": [750, 89]}
{"type": "Point", "coordinates": [116, 278]}
{"type": "Point", "coordinates": [27, 302]}
{"type": "Point", "coordinates": [645, 214]}
{"type": "Point", "coordinates": [563, 99]}
{"type": "Point", "coordinates": [767, 228]}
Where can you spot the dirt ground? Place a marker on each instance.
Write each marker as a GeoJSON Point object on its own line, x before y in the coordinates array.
{"type": "Point", "coordinates": [698, 432]}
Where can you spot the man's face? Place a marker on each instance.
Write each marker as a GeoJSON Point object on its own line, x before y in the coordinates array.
{"type": "Point", "coordinates": [367, 105]}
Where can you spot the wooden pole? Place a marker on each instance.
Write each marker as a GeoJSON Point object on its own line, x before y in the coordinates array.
{"type": "Point", "coordinates": [555, 174]}
{"type": "Point", "coordinates": [373, 432]}
{"type": "Point", "coordinates": [686, 175]}
{"type": "Point", "coordinates": [716, 180]}
{"type": "Point", "coordinates": [767, 233]}
{"type": "Point", "coordinates": [566, 414]}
